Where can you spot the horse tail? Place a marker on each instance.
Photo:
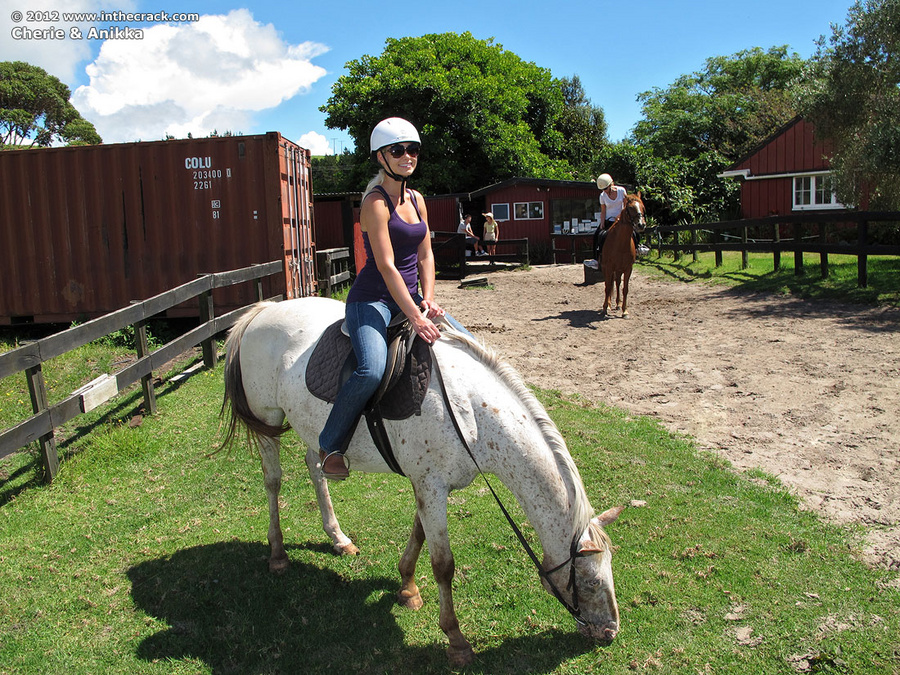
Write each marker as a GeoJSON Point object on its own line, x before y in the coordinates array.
{"type": "Point", "coordinates": [234, 402]}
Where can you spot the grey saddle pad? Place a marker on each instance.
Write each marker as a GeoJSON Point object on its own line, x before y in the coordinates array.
{"type": "Point", "coordinates": [326, 372]}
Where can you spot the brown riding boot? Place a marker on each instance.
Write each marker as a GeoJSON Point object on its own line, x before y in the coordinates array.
{"type": "Point", "coordinates": [334, 466]}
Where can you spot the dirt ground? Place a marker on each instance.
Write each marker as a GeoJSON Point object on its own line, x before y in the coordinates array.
{"type": "Point", "coordinates": [806, 391]}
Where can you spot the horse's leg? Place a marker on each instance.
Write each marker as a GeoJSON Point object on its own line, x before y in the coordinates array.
{"type": "Point", "coordinates": [618, 290]}
{"type": "Point", "coordinates": [270, 455]}
{"type": "Point", "coordinates": [607, 288]}
{"type": "Point", "coordinates": [433, 517]}
{"type": "Point", "coordinates": [625, 292]}
{"type": "Point", "coordinates": [409, 595]}
{"type": "Point", "coordinates": [340, 541]}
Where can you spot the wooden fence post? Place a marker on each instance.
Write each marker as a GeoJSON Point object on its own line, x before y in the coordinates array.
{"type": "Point", "coordinates": [260, 295]}
{"type": "Point", "coordinates": [207, 314]}
{"type": "Point", "coordinates": [717, 239]}
{"type": "Point", "coordinates": [823, 256]}
{"type": "Point", "coordinates": [745, 254]}
{"type": "Point", "coordinates": [694, 243]}
{"type": "Point", "coordinates": [462, 259]}
{"type": "Point", "coordinates": [39, 403]}
{"type": "Point", "coordinates": [675, 243]}
{"type": "Point", "coordinates": [143, 349]}
{"type": "Point", "coordinates": [776, 254]}
{"type": "Point", "coordinates": [862, 260]}
{"type": "Point", "coordinates": [798, 250]}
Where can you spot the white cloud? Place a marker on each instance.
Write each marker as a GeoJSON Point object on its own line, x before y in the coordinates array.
{"type": "Point", "coordinates": [193, 77]}
{"type": "Point", "coordinates": [60, 58]}
{"type": "Point", "coordinates": [316, 143]}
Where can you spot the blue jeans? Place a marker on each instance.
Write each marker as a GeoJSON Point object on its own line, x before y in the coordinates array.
{"type": "Point", "coordinates": [367, 325]}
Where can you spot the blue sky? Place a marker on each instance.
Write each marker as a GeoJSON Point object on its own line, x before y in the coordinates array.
{"type": "Point", "coordinates": [252, 67]}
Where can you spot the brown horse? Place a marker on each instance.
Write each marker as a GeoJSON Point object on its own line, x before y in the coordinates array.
{"type": "Point", "coordinates": [618, 254]}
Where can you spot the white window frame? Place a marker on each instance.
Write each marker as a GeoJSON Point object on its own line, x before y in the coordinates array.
{"type": "Point", "coordinates": [499, 210]}
{"type": "Point", "coordinates": [528, 206]}
{"type": "Point", "coordinates": [811, 185]}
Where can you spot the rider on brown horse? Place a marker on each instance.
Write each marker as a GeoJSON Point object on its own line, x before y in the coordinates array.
{"type": "Point", "coordinates": [612, 199]}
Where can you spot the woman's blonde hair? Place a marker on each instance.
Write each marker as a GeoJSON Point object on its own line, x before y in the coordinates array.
{"type": "Point", "coordinates": [377, 180]}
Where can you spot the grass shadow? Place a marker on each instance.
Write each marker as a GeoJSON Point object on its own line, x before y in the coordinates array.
{"type": "Point", "coordinates": [223, 607]}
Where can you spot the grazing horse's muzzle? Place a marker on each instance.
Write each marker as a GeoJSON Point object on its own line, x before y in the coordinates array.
{"type": "Point", "coordinates": [602, 634]}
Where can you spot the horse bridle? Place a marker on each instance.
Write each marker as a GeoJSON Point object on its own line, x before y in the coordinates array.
{"type": "Point", "coordinates": [572, 607]}
{"type": "Point", "coordinates": [627, 210]}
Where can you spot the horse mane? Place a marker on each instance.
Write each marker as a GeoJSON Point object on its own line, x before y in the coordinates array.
{"type": "Point", "coordinates": [509, 377]}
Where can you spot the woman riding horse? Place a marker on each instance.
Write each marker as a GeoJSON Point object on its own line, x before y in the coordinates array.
{"type": "Point", "coordinates": [394, 223]}
{"type": "Point", "coordinates": [612, 199]}
{"type": "Point", "coordinates": [619, 252]}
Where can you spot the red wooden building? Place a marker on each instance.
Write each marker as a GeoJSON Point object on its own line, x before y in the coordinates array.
{"type": "Point", "coordinates": [532, 208]}
{"type": "Point", "coordinates": [786, 173]}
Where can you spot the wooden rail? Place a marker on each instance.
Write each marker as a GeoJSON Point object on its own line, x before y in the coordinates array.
{"type": "Point", "coordinates": [30, 357]}
{"type": "Point", "coordinates": [809, 230]}
{"type": "Point", "coordinates": [334, 266]}
{"type": "Point", "coordinates": [452, 246]}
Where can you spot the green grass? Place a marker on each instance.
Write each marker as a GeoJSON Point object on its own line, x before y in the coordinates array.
{"type": "Point", "coordinates": [63, 375]}
{"type": "Point", "coordinates": [840, 284]}
{"type": "Point", "coordinates": [147, 555]}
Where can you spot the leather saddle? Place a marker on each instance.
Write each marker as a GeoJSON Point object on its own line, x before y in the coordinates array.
{"type": "Point", "coordinates": [403, 386]}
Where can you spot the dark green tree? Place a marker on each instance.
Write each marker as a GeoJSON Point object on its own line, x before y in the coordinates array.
{"type": "Point", "coordinates": [729, 107]}
{"type": "Point", "coordinates": [584, 127]}
{"type": "Point", "coordinates": [483, 113]}
{"type": "Point", "coordinates": [339, 173]}
{"type": "Point", "coordinates": [703, 123]}
{"type": "Point", "coordinates": [851, 93]}
{"type": "Point", "coordinates": [674, 189]}
{"type": "Point", "coordinates": [35, 110]}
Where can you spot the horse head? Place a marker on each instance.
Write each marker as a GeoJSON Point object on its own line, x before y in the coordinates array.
{"type": "Point", "coordinates": [634, 208]}
{"type": "Point", "coordinates": [592, 599]}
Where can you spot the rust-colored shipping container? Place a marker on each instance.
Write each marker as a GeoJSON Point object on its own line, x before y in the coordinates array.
{"type": "Point", "coordinates": [84, 231]}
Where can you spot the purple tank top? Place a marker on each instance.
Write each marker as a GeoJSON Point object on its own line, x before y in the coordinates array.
{"type": "Point", "coordinates": [405, 239]}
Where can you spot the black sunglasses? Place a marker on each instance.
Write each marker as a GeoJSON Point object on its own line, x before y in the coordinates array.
{"type": "Point", "coordinates": [397, 150]}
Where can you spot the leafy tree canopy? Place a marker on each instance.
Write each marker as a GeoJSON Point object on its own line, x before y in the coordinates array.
{"type": "Point", "coordinates": [675, 189]}
{"type": "Point", "coordinates": [727, 108]}
{"type": "Point", "coordinates": [35, 110]}
{"type": "Point", "coordinates": [484, 114]}
{"type": "Point", "coordinates": [851, 93]}
{"type": "Point", "coordinates": [583, 125]}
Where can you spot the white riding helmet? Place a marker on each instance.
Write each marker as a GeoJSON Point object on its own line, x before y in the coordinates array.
{"type": "Point", "coordinates": [390, 131]}
{"type": "Point", "coordinates": [604, 180]}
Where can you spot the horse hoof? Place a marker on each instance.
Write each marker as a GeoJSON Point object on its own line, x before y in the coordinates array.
{"type": "Point", "coordinates": [410, 601]}
{"type": "Point", "coordinates": [278, 565]}
{"type": "Point", "coordinates": [460, 658]}
{"type": "Point", "coordinates": [346, 549]}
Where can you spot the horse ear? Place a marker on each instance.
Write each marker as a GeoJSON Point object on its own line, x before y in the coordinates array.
{"type": "Point", "coordinates": [609, 516]}
{"type": "Point", "coordinates": [589, 548]}
{"type": "Point", "coordinates": [639, 195]}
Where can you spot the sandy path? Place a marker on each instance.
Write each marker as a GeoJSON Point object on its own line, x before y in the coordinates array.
{"type": "Point", "coordinates": [806, 391]}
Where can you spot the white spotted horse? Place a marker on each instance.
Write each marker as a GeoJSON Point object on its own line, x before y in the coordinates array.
{"type": "Point", "coordinates": [476, 415]}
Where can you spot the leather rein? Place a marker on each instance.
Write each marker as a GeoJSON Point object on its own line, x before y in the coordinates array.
{"type": "Point", "coordinates": [572, 607]}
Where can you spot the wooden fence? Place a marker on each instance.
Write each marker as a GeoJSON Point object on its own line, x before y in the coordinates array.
{"type": "Point", "coordinates": [811, 232]}
{"type": "Point", "coordinates": [30, 357]}
{"type": "Point", "coordinates": [334, 267]}
{"type": "Point", "coordinates": [450, 247]}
